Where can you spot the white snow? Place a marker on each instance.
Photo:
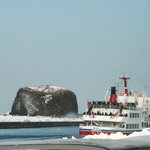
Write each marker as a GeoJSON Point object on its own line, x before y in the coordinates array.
{"type": "Point", "coordinates": [10, 118]}
{"type": "Point", "coordinates": [120, 141]}
{"type": "Point", "coordinates": [73, 137]}
{"type": "Point", "coordinates": [29, 105]}
{"type": "Point", "coordinates": [47, 98]}
{"type": "Point", "coordinates": [47, 88]}
{"type": "Point", "coordinates": [118, 135]}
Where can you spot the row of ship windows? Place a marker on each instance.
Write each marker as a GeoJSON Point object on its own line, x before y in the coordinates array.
{"type": "Point", "coordinates": [134, 115]}
{"type": "Point", "coordinates": [132, 126]}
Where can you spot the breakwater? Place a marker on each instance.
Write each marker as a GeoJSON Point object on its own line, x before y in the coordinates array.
{"type": "Point", "coordinates": [12, 125]}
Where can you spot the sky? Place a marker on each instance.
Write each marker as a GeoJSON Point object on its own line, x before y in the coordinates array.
{"type": "Point", "coordinates": [81, 45]}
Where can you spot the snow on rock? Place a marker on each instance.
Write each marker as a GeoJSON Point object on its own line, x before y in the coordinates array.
{"type": "Point", "coordinates": [31, 107]}
{"type": "Point", "coordinates": [47, 88]}
{"type": "Point", "coordinates": [47, 98]}
{"type": "Point", "coordinates": [44, 101]}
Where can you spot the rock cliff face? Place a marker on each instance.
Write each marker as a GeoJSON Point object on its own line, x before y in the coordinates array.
{"type": "Point", "coordinates": [44, 101]}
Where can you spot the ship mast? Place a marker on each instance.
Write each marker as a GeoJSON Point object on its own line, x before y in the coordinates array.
{"type": "Point", "coordinates": [125, 84]}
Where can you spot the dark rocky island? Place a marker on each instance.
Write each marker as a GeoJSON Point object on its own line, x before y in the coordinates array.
{"type": "Point", "coordinates": [44, 101]}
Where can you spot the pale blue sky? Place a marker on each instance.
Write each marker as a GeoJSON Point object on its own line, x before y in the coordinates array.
{"type": "Point", "coordinates": [82, 45]}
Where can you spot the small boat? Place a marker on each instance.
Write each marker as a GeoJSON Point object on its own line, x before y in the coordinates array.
{"type": "Point", "coordinates": [124, 112]}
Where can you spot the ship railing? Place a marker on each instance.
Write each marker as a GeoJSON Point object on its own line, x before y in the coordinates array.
{"type": "Point", "coordinates": [114, 107]}
{"type": "Point", "coordinates": [121, 126]}
{"type": "Point", "coordinates": [91, 115]}
{"type": "Point", "coordinates": [129, 108]}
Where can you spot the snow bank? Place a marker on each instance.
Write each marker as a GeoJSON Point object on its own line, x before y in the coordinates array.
{"type": "Point", "coordinates": [120, 141]}
{"type": "Point", "coordinates": [46, 88]}
{"type": "Point", "coordinates": [145, 132]}
{"type": "Point", "coordinates": [10, 118]}
{"type": "Point", "coordinates": [118, 135]}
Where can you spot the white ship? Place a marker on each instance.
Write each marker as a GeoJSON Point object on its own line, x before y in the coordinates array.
{"type": "Point", "coordinates": [125, 112]}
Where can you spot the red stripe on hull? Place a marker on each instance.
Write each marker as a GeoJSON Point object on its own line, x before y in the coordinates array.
{"type": "Point", "coordinates": [86, 133]}
{"type": "Point", "coordinates": [92, 133]}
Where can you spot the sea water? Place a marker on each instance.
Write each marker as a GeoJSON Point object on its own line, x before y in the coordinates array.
{"type": "Point", "coordinates": [28, 134]}
{"type": "Point", "coordinates": [70, 135]}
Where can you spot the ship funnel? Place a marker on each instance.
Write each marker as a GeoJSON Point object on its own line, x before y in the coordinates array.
{"type": "Point", "coordinates": [113, 90]}
{"type": "Point", "coordinates": [113, 96]}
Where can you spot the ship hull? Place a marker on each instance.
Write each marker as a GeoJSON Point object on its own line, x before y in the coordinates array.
{"type": "Point", "coordinates": [91, 132]}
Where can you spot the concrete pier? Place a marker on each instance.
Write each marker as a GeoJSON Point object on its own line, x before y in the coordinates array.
{"type": "Point", "coordinates": [12, 125]}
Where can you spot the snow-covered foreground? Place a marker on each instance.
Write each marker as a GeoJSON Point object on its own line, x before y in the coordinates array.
{"type": "Point", "coordinates": [10, 118]}
{"type": "Point", "coordinates": [120, 141]}
{"type": "Point", "coordinates": [113, 141]}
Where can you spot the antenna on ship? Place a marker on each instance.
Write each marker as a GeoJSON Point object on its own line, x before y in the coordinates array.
{"type": "Point", "coordinates": [145, 90]}
{"type": "Point", "coordinates": [106, 96]}
{"type": "Point", "coordinates": [124, 78]}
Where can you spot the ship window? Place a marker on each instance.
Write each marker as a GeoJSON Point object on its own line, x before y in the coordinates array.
{"type": "Point", "coordinates": [127, 126]}
{"type": "Point", "coordinates": [130, 115]}
{"type": "Point", "coordinates": [132, 126]}
{"type": "Point", "coordinates": [134, 115]}
{"type": "Point", "coordinates": [137, 126]}
{"type": "Point", "coordinates": [137, 115]}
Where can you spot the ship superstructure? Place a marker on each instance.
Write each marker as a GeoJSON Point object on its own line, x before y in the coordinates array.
{"type": "Point", "coordinates": [125, 112]}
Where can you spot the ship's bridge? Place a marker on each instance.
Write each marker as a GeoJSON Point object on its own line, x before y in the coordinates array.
{"type": "Point", "coordinates": [137, 98]}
